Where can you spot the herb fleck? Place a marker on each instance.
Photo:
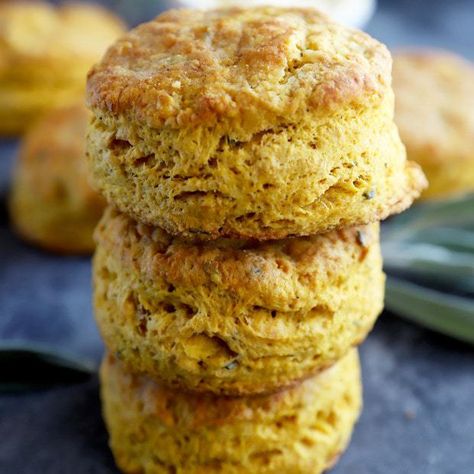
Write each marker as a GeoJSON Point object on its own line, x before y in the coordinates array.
{"type": "Point", "coordinates": [362, 238]}
{"type": "Point", "coordinates": [231, 365]}
{"type": "Point", "coordinates": [256, 271]}
{"type": "Point", "coordinates": [369, 194]}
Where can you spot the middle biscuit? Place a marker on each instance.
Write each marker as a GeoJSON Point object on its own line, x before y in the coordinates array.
{"type": "Point", "coordinates": [233, 316]}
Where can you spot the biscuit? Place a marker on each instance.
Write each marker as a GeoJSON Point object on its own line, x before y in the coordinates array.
{"type": "Point", "coordinates": [155, 430]}
{"type": "Point", "coordinates": [435, 114]}
{"type": "Point", "coordinates": [45, 53]}
{"type": "Point", "coordinates": [52, 204]}
{"type": "Point", "coordinates": [233, 317]}
{"type": "Point", "coordinates": [261, 123]}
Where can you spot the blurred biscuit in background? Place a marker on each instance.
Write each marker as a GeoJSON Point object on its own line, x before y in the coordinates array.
{"type": "Point", "coordinates": [435, 114]}
{"type": "Point", "coordinates": [154, 429]}
{"type": "Point", "coordinates": [51, 202]}
{"type": "Point", "coordinates": [45, 53]}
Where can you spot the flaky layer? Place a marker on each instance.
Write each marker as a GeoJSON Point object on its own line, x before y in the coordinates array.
{"type": "Point", "coordinates": [435, 113]}
{"type": "Point", "coordinates": [234, 317]}
{"type": "Point", "coordinates": [342, 169]}
{"type": "Point", "coordinates": [154, 430]}
{"type": "Point", "coordinates": [51, 202]}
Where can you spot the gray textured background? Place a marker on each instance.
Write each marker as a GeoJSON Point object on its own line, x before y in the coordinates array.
{"type": "Point", "coordinates": [419, 386]}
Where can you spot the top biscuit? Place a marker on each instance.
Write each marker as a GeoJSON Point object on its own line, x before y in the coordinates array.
{"type": "Point", "coordinates": [256, 123]}
{"type": "Point", "coordinates": [436, 89]}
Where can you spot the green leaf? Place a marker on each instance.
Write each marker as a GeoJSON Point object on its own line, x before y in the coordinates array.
{"type": "Point", "coordinates": [458, 239]}
{"type": "Point", "coordinates": [431, 262]}
{"type": "Point", "coordinates": [432, 243]}
{"type": "Point", "coordinates": [452, 315]}
{"type": "Point", "coordinates": [27, 367]}
{"type": "Point", "coordinates": [458, 212]}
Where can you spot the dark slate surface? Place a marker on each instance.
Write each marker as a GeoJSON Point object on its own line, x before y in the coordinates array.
{"type": "Point", "coordinates": [419, 386]}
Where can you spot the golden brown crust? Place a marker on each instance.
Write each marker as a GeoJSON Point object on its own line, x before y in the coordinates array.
{"type": "Point", "coordinates": [435, 115]}
{"type": "Point", "coordinates": [52, 204]}
{"type": "Point", "coordinates": [248, 68]}
{"type": "Point", "coordinates": [45, 53]}
{"type": "Point", "coordinates": [234, 317]}
{"type": "Point", "coordinates": [155, 430]}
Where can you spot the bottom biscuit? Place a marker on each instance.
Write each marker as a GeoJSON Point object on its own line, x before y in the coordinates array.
{"type": "Point", "coordinates": [155, 430]}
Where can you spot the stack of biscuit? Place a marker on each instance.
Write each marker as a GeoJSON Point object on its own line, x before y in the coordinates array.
{"type": "Point", "coordinates": [247, 156]}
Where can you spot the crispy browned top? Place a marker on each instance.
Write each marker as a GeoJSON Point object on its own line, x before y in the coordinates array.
{"type": "Point", "coordinates": [245, 67]}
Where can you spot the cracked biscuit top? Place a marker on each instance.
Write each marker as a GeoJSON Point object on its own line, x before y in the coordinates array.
{"type": "Point", "coordinates": [244, 67]}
